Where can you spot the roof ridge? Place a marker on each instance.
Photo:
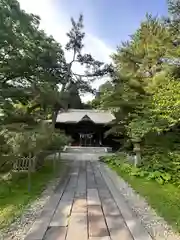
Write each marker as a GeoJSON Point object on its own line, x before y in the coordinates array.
{"type": "Point", "coordinates": [87, 110]}
{"type": "Point", "coordinates": [75, 115]}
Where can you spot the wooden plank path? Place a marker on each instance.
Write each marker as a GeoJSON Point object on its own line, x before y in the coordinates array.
{"type": "Point", "coordinates": [87, 205]}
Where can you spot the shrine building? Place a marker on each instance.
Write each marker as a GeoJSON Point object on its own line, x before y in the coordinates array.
{"type": "Point", "coordinates": [87, 127]}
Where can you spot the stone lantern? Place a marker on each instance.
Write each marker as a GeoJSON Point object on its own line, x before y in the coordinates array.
{"type": "Point", "coordinates": [137, 151]}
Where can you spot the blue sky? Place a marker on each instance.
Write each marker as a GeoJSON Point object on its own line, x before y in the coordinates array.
{"type": "Point", "coordinates": [107, 22]}
{"type": "Point", "coordinates": [113, 20]}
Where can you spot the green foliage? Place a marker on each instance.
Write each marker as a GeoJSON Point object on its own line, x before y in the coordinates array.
{"type": "Point", "coordinates": [145, 97]}
{"type": "Point", "coordinates": [160, 175]}
{"type": "Point", "coordinates": [74, 100]}
{"type": "Point", "coordinates": [168, 162]}
{"type": "Point", "coordinates": [57, 141]}
{"type": "Point", "coordinates": [14, 195]}
{"type": "Point", "coordinates": [31, 65]}
{"type": "Point", "coordinates": [103, 92]}
{"type": "Point", "coordinates": [164, 199]}
{"type": "Point", "coordinates": [30, 142]}
{"type": "Point", "coordinates": [112, 160]}
{"type": "Point", "coordinates": [34, 73]}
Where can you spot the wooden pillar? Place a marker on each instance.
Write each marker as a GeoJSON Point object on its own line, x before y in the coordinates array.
{"type": "Point", "coordinates": [85, 142]}
{"type": "Point", "coordinates": [80, 141]}
{"type": "Point", "coordinates": [100, 139]}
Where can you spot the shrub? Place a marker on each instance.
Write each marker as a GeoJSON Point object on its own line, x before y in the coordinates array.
{"type": "Point", "coordinates": [119, 161]}
{"type": "Point", "coordinates": [57, 141]}
{"type": "Point", "coordinates": [33, 142]}
{"type": "Point", "coordinates": [164, 162]}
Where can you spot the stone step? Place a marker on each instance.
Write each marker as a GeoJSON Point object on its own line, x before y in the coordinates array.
{"type": "Point", "coordinates": [86, 149]}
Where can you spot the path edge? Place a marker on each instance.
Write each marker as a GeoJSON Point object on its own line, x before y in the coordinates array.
{"type": "Point", "coordinates": [135, 226]}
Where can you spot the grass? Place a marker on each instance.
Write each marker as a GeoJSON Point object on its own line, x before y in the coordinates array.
{"type": "Point", "coordinates": [165, 199]}
{"type": "Point", "coordinates": [14, 195]}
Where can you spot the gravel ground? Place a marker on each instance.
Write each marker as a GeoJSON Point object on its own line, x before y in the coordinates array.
{"type": "Point", "coordinates": [18, 229]}
{"type": "Point", "coordinates": [155, 225]}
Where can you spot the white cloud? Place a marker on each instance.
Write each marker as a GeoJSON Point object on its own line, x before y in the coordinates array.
{"type": "Point", "coordinates": [57, 23]}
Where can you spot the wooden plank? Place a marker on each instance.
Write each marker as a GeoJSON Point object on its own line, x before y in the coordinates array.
{"type": "Point", "coordinates": [68, 196]}
{"type": "Point", "coordinates": [39, 227]}
{"type": "Point", "coordinates": [104, 194]}
{"type": "Point", "coordinates": [117, 228]}
{"type": "Point", "coordinates": [91, 184]}
{"type": "Point", "coordinates": [81, 185]}
{"type": "Point", "coordinates": [73, 178]}
{"type": "Point", "coordinates": [98, 178]}
{"type": "Point", "coordinates": [61, 215]}
{"type": "Point", "coordinates": [109, 207]}
{"type": "Point", "coordinates": [80, 205]}
{"type": "Point", "coordinates": [102, 238]}
{"type": "Point", "coordinates": [93, 197]}
{"type": "Point", "coordinates": [63, 210]}
{"type": "Point", "coordinates": [77, 229]}
{"type": "Point", "coordinates": [55, 233]}
{"type": "Point", "coordinates": [96, 222]}
{"type": "Point", "coordinates": [137, 230]}
{"type": "Point", "coordinates": [72, 183]}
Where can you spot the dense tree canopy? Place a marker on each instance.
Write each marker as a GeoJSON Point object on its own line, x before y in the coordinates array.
{"type": "Point", "coordinates": [146, 84]}
{"type": "Point", "coordinates": [36, 81]}
{"type": "Point", "coordinates": [144, 94]}
{"type": "Point", "coordinates": [32, 64]}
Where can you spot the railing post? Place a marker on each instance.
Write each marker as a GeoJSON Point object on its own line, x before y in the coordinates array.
{"type": "Point", "coordinates": [54, 163]}
{"type": "Point", "coordinates": [29, 173]}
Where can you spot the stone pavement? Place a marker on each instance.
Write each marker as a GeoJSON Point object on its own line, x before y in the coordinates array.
{"type": "Point", "coordinates": [87, 205]}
